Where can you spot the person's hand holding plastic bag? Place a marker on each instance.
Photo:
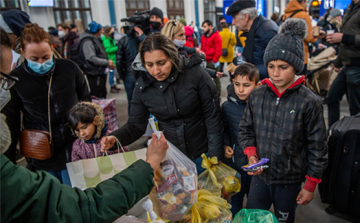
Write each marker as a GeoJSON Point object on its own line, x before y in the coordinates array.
{"type": "Point", "coordinates": [209, 208]}
{"type": "Point", "coordinates": [254, 216]}
{"type": "Point", "coordinates": [219, 176]}
{"type": "Point", "coordinates": [176, 184]}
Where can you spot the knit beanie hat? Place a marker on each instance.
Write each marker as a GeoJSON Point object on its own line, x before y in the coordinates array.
{"type": "Point", "coordinates": [188, 31]}
{"type": "Point", "coordinates": [335, 12]}
{"type": "Point", "coordinates": [94, 27]}
{"type": "Point", "coordinates": [156, 11]}
{"type": "Point", "coordinates": [287, 45]}
{"type": "Point", "coordinates": [14, 20]}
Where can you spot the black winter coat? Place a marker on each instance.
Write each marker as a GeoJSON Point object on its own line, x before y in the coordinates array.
{"type": "Point", "coordinates": [125, 56]}
{"type": "Point", "coordinates": [288, 129]}
{"type": "Point", "coordinates": [232, 111]}
{"type": "Point", "coordinates": [30, 95]}
{"type": "Point", "coordinates": [185, 104]}
{"type": "Point", "coordinates": [265, 30]}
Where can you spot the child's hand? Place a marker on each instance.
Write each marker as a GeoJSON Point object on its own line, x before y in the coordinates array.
{"type": "Point", "coordinates": [107, 142]}
{"type": "Point", "coordinates": [228, 152]}
{"type": "Point", "coordinates": [253, 160]}
{"type": "Point", "coordinates": [304, 197]}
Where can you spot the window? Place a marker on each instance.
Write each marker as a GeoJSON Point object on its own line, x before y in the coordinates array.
{"type": "Point", "coordinates": [76, 12]}
{"type": "Point", "coordinates": [175, 9]}
{"type": "Point", "coordinates": [9, 4]}
{"type": "Point", "coordinates": [210, 11]}
{"type": "Point", "coordinates": [136, 5]}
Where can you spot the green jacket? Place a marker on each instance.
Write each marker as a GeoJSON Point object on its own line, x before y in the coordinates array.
{"type": "Point", "coordinates": [40, 197]}
{"type": "Point", "coordinates": [110, 48]}
{"type": "Point", "coordinates": [349, 53]}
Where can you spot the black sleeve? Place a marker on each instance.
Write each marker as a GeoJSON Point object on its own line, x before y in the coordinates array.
{"type": "Point", "coordinates": [189, 50]}
{"type": "Point", "coordinates": [212, 113]}
{"type": "Point", "coordinates": [121, 58]}
{"type": "Point", "coordinates": [227, 139]}
{"type": "Point", "coordinates": [211, 72]}
{"type": "Point", "coordinates": [82, 86]}
{"type": "Point", "coordinates": [246, 128]}
{"type": "Point", "coordinates": [316, 140]}
{"type": "Point", "coordinates": [137, 122]}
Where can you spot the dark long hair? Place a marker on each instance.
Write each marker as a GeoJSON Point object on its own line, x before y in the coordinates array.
{"type": "Point", "coordinates": [157, 41]}
{"type": "Point", "coordinates": [82, 112]}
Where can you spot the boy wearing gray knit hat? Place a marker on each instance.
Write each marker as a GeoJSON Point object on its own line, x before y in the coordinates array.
{"type": "Point", "coordinates": [284, 122]}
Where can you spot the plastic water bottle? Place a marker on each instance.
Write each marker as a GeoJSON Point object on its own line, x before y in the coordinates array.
{"type": "Point", "coordinates": [240, 59]}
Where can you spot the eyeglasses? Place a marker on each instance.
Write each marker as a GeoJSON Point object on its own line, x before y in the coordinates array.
{"type": "Point", "coordinates": [7, 81]}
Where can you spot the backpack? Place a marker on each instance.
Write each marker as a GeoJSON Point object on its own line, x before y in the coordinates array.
{"type": "Point", "coordinates": [282, 20]}
{"type": "Point", "coordinates": [76, 54]}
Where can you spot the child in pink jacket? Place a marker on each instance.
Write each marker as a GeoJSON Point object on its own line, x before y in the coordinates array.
{"type": "Point", "coordinates": [87, 121]}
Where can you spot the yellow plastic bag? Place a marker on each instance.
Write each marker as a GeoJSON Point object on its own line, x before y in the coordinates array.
{"type": "Point", "coordinates": [210, 208]}
{"type": "Point", "coordinates": [219, 176]}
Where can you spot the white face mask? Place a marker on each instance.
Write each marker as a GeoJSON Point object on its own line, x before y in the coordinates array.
{"type": "Point", "coordinates": [61, 34]}
{"type": "Point", "coordinates": [179, 43]}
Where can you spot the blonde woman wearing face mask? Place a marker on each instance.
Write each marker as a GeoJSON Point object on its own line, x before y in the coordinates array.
{"type": "Point", "coordinates": [175, 31]}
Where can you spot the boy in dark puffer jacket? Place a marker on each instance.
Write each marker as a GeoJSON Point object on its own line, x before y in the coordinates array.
{"type": "Point", "coordinates": [246, 79]}
{"type": "Point", "coordinates": [283, 121]}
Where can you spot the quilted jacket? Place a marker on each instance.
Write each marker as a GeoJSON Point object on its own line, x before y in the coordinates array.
{"type": "Point", "coordinates": [288, 129]}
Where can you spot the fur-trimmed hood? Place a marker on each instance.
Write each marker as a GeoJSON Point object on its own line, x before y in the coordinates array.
{"type": "Point", "coordinates": [101, 122]}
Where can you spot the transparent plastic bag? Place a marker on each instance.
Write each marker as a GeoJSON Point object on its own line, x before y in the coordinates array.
{"type": "Point", "coordinates": [210, 208]}
{"type": "Point", "coordinates": [254, 216]}
{"type": "Point", "coordinates": [176, 184]}
{"type": "Point", "coordinates": [219, 176]}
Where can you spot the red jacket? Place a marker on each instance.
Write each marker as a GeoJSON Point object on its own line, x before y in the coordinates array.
{"type": "Point", "coordinates": [212, 46]}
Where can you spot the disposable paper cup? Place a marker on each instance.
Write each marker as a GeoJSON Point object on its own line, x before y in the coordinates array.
{"type": "Point", "coordinates": [330, 31]}
{"type": "Point", "coordinates": [316, 31]}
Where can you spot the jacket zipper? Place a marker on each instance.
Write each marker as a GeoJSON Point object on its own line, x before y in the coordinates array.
{"type": "Point", "coordinates": [233, 156]}
{"type": "Point", "coordinates": [277, 106]}
{"type": "Point", "coordinates": [289, 163]}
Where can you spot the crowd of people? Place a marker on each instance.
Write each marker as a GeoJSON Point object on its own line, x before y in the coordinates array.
{"type": "Point", "coordinates": [168, 71]}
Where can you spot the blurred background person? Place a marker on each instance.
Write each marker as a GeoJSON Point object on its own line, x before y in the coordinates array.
{"type": "Point", "coordinates": [228, 43]}
{"type": "Point", "coordinates": [111, 49]}
{"type": "Point", "coordinates": [67, 37]}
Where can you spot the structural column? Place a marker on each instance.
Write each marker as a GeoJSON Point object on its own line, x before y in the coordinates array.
{"type": "Point", "coordinates": [189, 11]}
{"type": "Point", "coordinates": [100, 12]}
{"type": "Point", "coordinates": [120, 11]}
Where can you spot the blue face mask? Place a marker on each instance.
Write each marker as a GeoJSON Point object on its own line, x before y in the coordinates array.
{"type": "Point", "coordinates": [40, 68]}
